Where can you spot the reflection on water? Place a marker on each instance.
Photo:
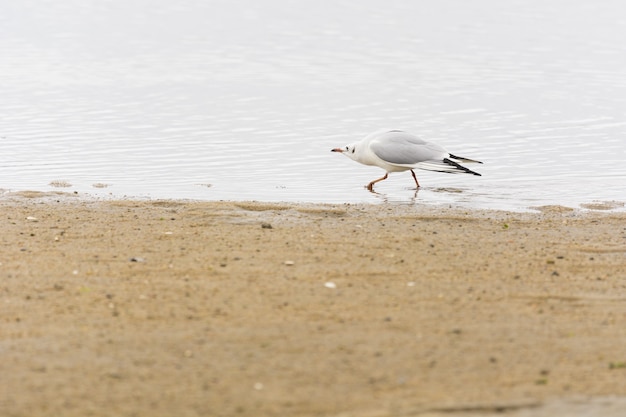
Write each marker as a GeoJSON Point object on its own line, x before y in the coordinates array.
{"type": "Point", "coordinates": [243, 100]}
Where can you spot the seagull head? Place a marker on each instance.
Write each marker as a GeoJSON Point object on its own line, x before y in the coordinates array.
{"type": "Point", "coordinates": [348, 150]}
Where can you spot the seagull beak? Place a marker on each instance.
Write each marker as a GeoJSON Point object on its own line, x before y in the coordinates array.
{"type": "Point", "coordinates": [336, 150]}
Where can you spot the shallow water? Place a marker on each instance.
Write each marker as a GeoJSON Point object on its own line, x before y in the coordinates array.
{"type": "Point", "coordinates": [243, 100]}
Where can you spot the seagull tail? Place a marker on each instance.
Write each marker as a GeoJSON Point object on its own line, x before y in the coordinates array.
{"type": "Point", "coordinates": [460, 167]}
{"type": "Point", "coordinates": [460, 158]}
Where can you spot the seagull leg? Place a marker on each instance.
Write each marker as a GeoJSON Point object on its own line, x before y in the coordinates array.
{"type": "Point", "coordinates": [415, 178]}
{"type": "Point", "coordinates": [370, 186]}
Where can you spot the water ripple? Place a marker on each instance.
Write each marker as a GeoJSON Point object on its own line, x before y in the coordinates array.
{"type": "Point", "coordinates": [251, 101]}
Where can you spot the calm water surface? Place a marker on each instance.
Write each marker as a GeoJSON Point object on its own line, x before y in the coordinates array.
{"type": "Point", "coordinates": [243, 100]}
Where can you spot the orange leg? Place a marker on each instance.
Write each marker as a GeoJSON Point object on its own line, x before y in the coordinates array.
{"type": "Point", "coordinates": [415, 178]}
{"type": "Point", "coordinates": [370, 186]}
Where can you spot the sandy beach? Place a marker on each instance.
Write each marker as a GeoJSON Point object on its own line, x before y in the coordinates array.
{"type": "Point", "coordinates": [175, 308]}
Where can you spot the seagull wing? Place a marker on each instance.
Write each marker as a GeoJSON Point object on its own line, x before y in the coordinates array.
{"type": "Point", "coordinates": [401, 148]}
{"type": "Point", "coordinates": [407, 150]}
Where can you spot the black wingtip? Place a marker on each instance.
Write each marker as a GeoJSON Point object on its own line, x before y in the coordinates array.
{"type": "Point", "coordinates": [461, 167]}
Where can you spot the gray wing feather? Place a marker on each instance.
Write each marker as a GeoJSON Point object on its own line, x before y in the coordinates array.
{"type": "Point", "coordinates": [402, 148]}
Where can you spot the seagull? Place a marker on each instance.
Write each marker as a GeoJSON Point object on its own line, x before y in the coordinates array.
{"type": "Point", "coordinates": [396, 151]}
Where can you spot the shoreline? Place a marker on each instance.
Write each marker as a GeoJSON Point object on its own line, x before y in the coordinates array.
{"type": "Point", "coordinates": [162, 307]}
{"type": "Point", "coordinates": [593, 206]}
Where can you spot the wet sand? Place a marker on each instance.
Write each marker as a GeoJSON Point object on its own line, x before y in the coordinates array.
{"type": "Point", "coordinates": [163, 308]}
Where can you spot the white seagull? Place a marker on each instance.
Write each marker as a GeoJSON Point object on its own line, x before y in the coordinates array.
{"type": "Point", "coordinates": [396, 151]}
